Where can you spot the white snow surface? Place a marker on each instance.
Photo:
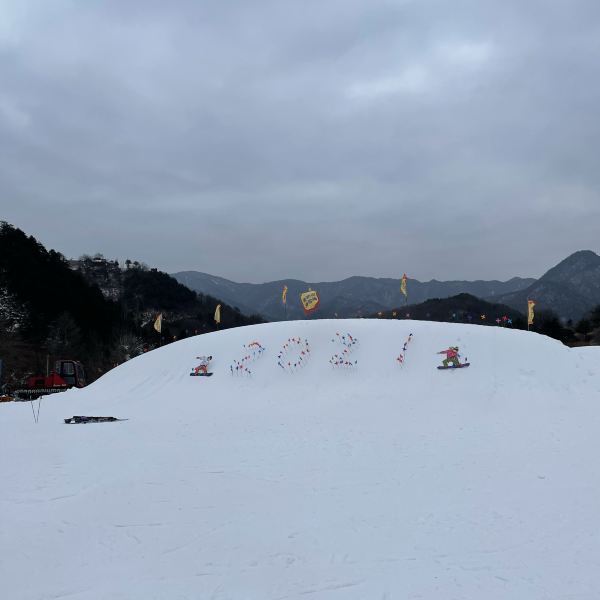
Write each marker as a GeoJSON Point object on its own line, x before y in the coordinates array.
{"type": "Point", "coordinates": [382, 482]}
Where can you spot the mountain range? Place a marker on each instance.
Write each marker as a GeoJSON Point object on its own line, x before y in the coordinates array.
{"type": "Point", "coordinates": [352, 297]}
{"type": "Point", "coordinates": [570, 289]}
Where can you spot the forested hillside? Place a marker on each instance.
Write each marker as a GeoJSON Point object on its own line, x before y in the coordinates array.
{"type": "Point", "coordinates": [465, 308]}
{"type": "Point", "coordinates": [50, 310]}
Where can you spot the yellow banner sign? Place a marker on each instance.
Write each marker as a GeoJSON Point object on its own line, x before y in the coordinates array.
{"type": "Point", "coordinates": [310, 301]}
{"type": "Point", "coordinates": [530, 312]}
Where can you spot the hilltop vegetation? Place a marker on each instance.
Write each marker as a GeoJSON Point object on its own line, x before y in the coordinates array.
{"type": "Point", "coordinates": [465, 308]}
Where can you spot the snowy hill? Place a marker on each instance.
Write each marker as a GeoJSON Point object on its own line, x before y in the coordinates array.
{"type": "Point", "coordinates": [376, 481]}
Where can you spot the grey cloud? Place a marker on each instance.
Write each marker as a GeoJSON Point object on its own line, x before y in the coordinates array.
{"type": "Point", "coordinates": [315, 139]}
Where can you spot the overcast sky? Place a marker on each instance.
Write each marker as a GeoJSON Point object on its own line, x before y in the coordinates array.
{"type": "Point", "coordinates": [261, 139]}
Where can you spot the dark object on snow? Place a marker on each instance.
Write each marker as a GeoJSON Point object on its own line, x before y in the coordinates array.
{"type": "Point", "coordinates": [457, 367]}
{"type": "Point", "coordinates": [74, 420]}
{"type": "Point", "coordinates": [200, 374]}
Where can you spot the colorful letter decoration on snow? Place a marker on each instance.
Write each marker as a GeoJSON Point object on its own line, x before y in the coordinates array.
{"type": "Point", "coordinates": [294, 354]}
{"type": "Point", "coordinates": [348, 344]}
{"type": "Point", "coordinates": [310, 301]}
{"type": "Point", "coordinates": [254, 350]}
{"type": "Point", "coordinates": [402, 356]}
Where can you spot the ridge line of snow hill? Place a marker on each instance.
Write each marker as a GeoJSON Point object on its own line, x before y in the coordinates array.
{"type": "Point", "coordinates": [502, 361]}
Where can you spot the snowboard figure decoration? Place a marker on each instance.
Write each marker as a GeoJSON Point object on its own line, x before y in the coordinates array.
{"type": "Point", "coordinates": [452, 359]}
{"type": "Point", "coordinates": [294, 355]}
{"type": "Point", "coordinates": [343, 359]}
{"type": "Point", "coordinates": [202, 369]}
{"type": "Point", "coordinates": [402, 356]}
{"type": "Point", "coordinates": [253, 350]}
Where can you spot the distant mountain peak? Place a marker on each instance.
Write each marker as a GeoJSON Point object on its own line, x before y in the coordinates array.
{"type": "Point", "coordinates": [570, 289]}
{"type": "Point", "coordinates": [582, 256]}
{"type": "Point", "coordinates": [575, 264]}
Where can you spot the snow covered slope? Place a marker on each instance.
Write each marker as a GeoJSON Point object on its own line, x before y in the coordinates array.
{"type": "Point", "coordinates": [375, 482]}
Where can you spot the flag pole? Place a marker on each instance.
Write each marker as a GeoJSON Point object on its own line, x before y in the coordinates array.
{"type": "Point", "coordinates": [530, 313]}
{"type": "Point", "coordinates": [284, 300]}
{"type": "Point", "coordinates": [158, 328]}
{"type": "Point", "coordinates": [217, 317]}
{"type": "Point", "coordinates": [403, 289]}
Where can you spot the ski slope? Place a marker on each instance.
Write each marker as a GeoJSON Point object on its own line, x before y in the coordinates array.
{"type": "Point", "coordinates": [377, 482]}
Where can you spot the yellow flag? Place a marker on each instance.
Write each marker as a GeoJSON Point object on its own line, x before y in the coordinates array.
{"type": "Point", "coordinates": [218, 314]}
{"type": "Point", "coordinates": [284, 294]}
{"type": "Point", "coordinates": [403, 285]}
{"type": "Point", "coordinates": [530, 312]}
{"type": "Point", "coordinates": [310, 301]}
{"type": "Point", "coordinates": [158, 323]}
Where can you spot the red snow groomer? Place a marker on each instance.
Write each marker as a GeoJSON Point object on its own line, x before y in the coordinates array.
{"type": "Point", "coordinates": [67, 374]}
